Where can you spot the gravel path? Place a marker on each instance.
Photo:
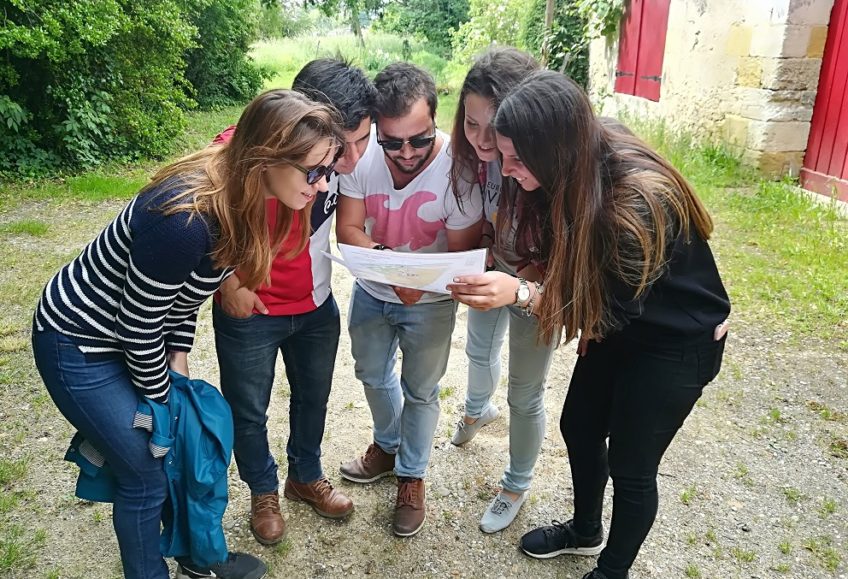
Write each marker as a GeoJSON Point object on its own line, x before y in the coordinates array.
{"type": "Point", "coordinates": [753, 486]}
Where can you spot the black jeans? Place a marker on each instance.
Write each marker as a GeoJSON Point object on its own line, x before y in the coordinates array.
{"type": "Point", "coordinates": [638, 395]}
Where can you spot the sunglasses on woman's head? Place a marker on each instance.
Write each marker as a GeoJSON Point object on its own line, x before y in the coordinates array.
{"type": "Point", "coordinates": [414, 142]}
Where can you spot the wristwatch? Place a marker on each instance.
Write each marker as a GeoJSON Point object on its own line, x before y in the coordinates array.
{"type": "Point", "coordinates": [522, 293]}
{"type": "Point", "coordinates": [381, 246]}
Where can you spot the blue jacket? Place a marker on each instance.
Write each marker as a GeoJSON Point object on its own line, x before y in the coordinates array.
{"type": "Point", "coordinates": [194, 432]}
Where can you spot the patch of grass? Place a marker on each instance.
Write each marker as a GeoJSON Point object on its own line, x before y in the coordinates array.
{"type": "Point", "coordinates": [692, 571]}
{"type": "Point", "coordinates": [838, 447]}
{"type": "Point", "coordinates": [31, 227]}
{"type": "Point", "coordinates": [283, 548]}
{"type": "Point", "coordinates": [774, 416]}
{"type": "Point", "coordinates": [710, 536]}
{"type": "Point", "coordinates": [828, 507]}
{"type": "Point", "coordinates": [741, 471]}
{"type": "Point", "coordinates": [825, 411]}
{"type": "Point", "coordinates": [446, 393]}
{"type": "Point", "coordinates": [18, 550]}
{"type": "Point", "coordinates": [782, 567]}
{"type": "Point", "coordinates": [349, 406]}
{"type": "Point", "coordinates": [688, 495]}
{"type": "Point", "coordinates": [8, 501]}
{"type": "Point", "coordinates": [792, 495]}
{"type": "Point", "coordinates": [12, 471]}
{"type": "Point", "coordinates": [785, 546]}
{"type": "Point", "coordinates": [743, 555]}
{"type": "Point", "coordinates": [10, 344]}
{"type": "Point", "coordinates": [824, 552]}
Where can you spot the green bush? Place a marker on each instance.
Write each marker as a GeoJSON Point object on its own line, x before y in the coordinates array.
{"type": "Point", "coordinates": [490, 22]}
{"type": "Point", "coordinates": [218, 69]}
{"type": "Point", "coordinates": [432, 20]}
{"type": "Point", "coordinates": [86, 81]}
{"type": "Point", "coordinates": [567, 43]}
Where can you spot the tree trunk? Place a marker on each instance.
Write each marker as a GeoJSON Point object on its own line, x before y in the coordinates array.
{"type": "Point", "coordinates": [550, 5]}
{"type": "Point", "coordinates": [354, 25]}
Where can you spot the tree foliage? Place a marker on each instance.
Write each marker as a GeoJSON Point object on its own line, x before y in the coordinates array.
{"type": "Point", "coordinates": [566, 44]}
{"type": "Point", "coordinates": [432, 20]}
{"type": "Point", "coordinates": [82, 82]}
{"type": "Point", "coordinates": [490, 21]}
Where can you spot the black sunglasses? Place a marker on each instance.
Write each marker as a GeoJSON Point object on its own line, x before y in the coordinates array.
{"type": "Point", "coordinates": [415, 143]}
{"type": "Point", "coordinates": [314, 175]}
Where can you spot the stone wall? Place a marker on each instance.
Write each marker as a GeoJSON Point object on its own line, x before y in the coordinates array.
{"type": "Point", "coordinates": [743, 71]}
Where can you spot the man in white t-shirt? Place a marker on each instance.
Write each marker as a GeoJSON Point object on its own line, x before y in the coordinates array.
{"type": "Point", "coordinates": [399, 198]}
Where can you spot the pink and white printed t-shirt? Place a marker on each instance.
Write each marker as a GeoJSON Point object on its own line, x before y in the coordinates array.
{"type": "Point", "coordinates": [415, 218]}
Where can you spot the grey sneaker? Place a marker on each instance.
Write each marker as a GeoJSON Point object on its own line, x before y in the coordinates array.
{"type": "Point", "coordinates": [465, 432]}
{"type": "Point", "coordinates": [501, 512]}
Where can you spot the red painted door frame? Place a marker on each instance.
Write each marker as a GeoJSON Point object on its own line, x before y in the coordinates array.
{"type": "Point", "coordinates": [825, 168]}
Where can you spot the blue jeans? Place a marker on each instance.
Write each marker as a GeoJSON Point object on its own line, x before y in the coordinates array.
{"type": "Point", "coordinates": [95, 394]}
{"type": "Point", "coordinates": [247, 352]}
{"type": "Point", "coordinates": [528, 365]}
{"type": "Point", "coordinates": [405, 410]}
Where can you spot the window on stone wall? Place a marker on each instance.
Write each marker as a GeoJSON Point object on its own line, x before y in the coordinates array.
{"type": "Point", "coordinates": [641, 47]}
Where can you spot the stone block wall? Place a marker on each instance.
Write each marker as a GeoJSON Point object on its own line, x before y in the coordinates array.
{"type": "Point", "coordinates": [744, 71]}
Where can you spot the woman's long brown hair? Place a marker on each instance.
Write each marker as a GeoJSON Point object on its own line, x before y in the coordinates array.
{"type": "Point", "coordinates": [224, 182]}
{"type": "Point", "coordinates": [612, 206]}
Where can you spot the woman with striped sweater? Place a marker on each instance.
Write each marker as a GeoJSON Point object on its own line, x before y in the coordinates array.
{"type": "Point", "coordinates": [111, 323]}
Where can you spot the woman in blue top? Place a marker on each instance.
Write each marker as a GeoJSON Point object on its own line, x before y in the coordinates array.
{"type": "Point", "coordinates": [475, 154]}
{"type": "Point", "coordinates": [111, 323]}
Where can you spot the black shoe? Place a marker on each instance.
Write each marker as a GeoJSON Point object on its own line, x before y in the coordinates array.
{"type": "Point", "coordinates": [561, 539]}
{"type": "Point", "coordinates": [594, 574]}
{"type": "Point", "coordinates": [237, 566]}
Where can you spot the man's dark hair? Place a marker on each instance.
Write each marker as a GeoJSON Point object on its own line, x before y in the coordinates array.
{"type": "Point", "coordinates": [338, 83]}
{"type": "Point", "coordinates": [400, 85]}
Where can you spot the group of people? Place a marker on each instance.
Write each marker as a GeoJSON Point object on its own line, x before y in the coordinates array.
{"type": "Point", "coordinates": [591, 235]}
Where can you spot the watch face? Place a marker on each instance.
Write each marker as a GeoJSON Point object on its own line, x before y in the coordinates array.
{"type": "Point", "coordinates": [523, 293]}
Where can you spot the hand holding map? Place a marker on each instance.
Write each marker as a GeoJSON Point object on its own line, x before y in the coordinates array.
{"type": "Point", "coordinates": [423, 271]}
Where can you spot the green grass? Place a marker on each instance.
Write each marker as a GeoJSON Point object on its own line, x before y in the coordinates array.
{"type": "Point", "coordinates": [792, 495]}
{"type": "Point", "coordinates": [12, 471]}
{"type": "Point", "coordinates": [688, 495]}
{"type": "Point", "coordinates": [824, 552]}
{"type": "Point", "coordinates": [743, 555]}
{"type": "Point", "coordinates": [31, 227]}
{"type": "Point", "coordinates": [19, 549]}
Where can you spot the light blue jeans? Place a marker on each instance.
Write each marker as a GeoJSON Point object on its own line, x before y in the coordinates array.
{"type": "Point", "coordinates": [528, 366]}
{"type": "Point", "coordinates": [405, 409]}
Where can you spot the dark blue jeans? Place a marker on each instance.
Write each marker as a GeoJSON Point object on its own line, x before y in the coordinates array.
{"type": "Point", "coordinates": [247, 352]}
{"type": "Point", "coordinates": [95, 394]}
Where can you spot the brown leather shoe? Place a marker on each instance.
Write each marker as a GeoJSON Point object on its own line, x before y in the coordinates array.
{"type": "Point", "coordinates": [321, 496]}
{"type": "Point", "coordinates": [266, 522]}
{"type": "Point", "coordinates": [374, 464]}
{"type": "Point", "coordinates": [410, 508]}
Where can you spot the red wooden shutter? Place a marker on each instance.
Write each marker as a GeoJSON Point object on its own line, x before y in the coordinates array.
{"type": "Point", "coordinates": [651, 48]}
{"type": "Point", "coordinates": [628, 48]}
{"type": "Point", "coordinates": [826, 160]}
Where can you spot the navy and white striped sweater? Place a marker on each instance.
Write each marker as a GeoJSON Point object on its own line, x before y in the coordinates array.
{"type": "Point", "coordinates": [137, 288]}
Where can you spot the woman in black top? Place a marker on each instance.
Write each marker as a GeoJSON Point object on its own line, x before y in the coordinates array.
{"type": "Point", "coordinates": [630, 270]}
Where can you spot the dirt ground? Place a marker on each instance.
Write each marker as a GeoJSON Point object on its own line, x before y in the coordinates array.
{"type": "Point", "coordinates": [755, 484]}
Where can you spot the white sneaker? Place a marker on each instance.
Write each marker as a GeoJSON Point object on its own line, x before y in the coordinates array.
{"type": "Point", "coordinates": [465, 432]}
{"type": "Point", "coordinates": [501, 512]}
